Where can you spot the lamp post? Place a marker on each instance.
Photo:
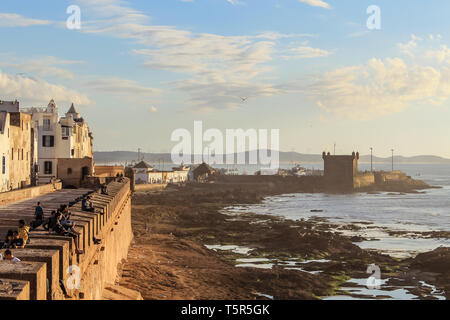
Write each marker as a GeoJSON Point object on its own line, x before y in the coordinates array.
{"type": "Point", "coordinates": [371, 159]}
{"type": "Point", "coordinates": [392, 159]}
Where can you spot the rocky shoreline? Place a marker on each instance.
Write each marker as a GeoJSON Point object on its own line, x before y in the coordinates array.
{"type": "Point", "coordinates": [258, 256]}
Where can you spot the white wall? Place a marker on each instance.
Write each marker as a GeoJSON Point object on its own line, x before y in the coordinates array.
{"type": "Point", "coordinates": [4, 151]}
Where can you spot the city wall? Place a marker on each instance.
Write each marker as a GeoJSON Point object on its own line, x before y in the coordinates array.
{"type": "Point", "coordinates": [27, 193]}
{"type": "Point", "coordinates": [50, 258]}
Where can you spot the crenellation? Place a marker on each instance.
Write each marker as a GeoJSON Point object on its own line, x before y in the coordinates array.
{"type": "Point", "coordinates": [33, 272]}
{"type": "Point", "coordinates": [14, 290]}
{"type": "Point", "coordinates": [111, 224]}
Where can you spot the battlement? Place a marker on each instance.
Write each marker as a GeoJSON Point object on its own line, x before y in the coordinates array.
{"type": "Point", "coordinates": [50, 258]}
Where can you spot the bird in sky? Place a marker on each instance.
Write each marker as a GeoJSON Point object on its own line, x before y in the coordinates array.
{"type": "Point", "coordinates": [244, 99]}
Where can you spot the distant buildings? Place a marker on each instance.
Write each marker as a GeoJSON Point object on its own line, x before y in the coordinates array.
{"type": "Point", "coordinates": [17, 148]}
{"type": "Point", "coordinates": [203, 172]}
{"type": "Point", "coordinates": [146, 174]}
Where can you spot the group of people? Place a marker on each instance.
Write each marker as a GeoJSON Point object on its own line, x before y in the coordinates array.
{"type": "Point", "coordinates": [17, 239]}
{"type": "Point", "coordinates": [59, 222]}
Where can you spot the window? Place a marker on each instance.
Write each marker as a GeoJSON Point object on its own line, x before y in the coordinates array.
{"type": "Point", "coordinates": [65, 131]}
{"type": "Point", "coordinates": [22, 154]}
{"type": "Point", "coordinates": [3, 164]}
{"type": "Point", "coordinates": [48, 141]}
{"type": "Point", "coordinates": [12, 153]}
{"type": "Point", "coordinates": [48, 167]}
{"type": "Point", "coordinates": [46, 124]}
{"type": "Point", "coordinates": [72, 152]}
{"type": "Point", "coordinates": [69, 171]}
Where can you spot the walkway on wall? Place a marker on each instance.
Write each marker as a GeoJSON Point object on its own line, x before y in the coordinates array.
{"type": "Point", "coordinates": [44, 262]}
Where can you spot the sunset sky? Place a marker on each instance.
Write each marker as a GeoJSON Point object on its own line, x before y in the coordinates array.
{"type": "Point", "coordinates": [139, 69]}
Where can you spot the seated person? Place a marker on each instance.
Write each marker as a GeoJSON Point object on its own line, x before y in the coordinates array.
{"type": "Point", "coordinates": [66, 231]}
{"type": "Point", "coordinates": [104, 189]}
{"type": "Point", "coordinates": [8, 239]}
{"type": "Point", "coordinates": [24, 231]}
{"type": "Point", "coordinates": [86, 204]}
{"type": "Point", "coordinates": [10, 257]}
{"type": "Point", "coordinates": [38, 216]}
{"type": "Point", "coordinates": [17, 242]}
{"type": "Point", "coordinates": [51, 222]}
{"type": "Point", "coordinates": [65, 219]}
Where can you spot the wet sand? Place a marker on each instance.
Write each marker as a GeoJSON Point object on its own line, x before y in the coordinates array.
{"type": "Point", "coordinates": [276, 258]}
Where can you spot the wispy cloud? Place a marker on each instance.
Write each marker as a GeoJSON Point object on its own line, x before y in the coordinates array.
{"type": "Point", "coordinates": [117, 86]}
{"type": "Point", "coordinates": [16, 20]}
{"type": "Point", "coordinates": [317, 3]}
{"type": "Point", "coordinates": [42, 67]}
{"type": "Point", "coordinates": [305, 52]}
{"type": "Point", "coordinates": [219, 68]}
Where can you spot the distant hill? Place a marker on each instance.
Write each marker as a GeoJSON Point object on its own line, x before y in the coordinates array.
{"type": "Point", "coordinates": [112, 157]}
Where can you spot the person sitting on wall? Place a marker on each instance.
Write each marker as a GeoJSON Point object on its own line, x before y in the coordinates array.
{"type": "Point", "coordinates": [24, 232]}
{"type": "Point", "coordinates": [104, 189]}
{"type": "Point", "coordinates": [50, 222]}
{"type": "Point", "coordinates": [17, 242]}
{"type": "Point", "coordinates": [8, 239]}
{"type": "Point", "coordinates": [38, 217]}
{"type": "Point", "coordinates": [59, 229]}
{"type": "Point", "coordinates": [86, 205]}
{"type": "Point", "coordinates": [65, 219]}
{"type": "Point", "coordinates": [10, 257]}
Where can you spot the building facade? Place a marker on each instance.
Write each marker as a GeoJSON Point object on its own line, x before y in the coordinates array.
{"type": "Point", "coordinates": [4, 151]}
{"type": "Point", "coordinates": [58, 137]}
{"type": "Point", "coordinates": [18, 148]}
{"type": "Point", "coordinates": [146, 174]}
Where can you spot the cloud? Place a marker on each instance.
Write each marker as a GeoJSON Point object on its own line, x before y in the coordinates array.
{"type": "Point", "coordinates": [408, 47]}
{"type": "Point", "coordinates": [317, 3]}
{"type": "Point", "coordinates": [379, 87]}
{"type": "Point", "coordinates": [43, 66]}
{"type": "Point", "coordinates": [304, 52]}
{"type": "Point", "coordinates": [215, 65]}
{"type": "Point", "coordinates": [32, 91]}
{"type": "Point", "coordinates": [16, 20]}
{"type": "Point", "coordinates": [235, 2]}
{"type": "Point", "coordinates": [120, 86]}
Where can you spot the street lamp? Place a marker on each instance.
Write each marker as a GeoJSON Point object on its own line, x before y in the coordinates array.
{"type": "Point", "coordinates": [392, 160]}
{"type": "Point", "coordinates": [371, 159]}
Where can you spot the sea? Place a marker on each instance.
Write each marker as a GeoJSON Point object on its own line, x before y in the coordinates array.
{"type": "Point", "coordinates": [374, 213]}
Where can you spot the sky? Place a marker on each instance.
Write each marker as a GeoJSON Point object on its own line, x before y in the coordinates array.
{"type": "Point", "coordinates": [139, 69]}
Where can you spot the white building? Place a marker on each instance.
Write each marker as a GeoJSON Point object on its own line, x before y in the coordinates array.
{"type": "Point", "coordinates": [18, 156]}
{"type": "Point", "coordinates": [4, 151]}
{"type": "Point", "coordinates": [146, 174]}
{"type": "Point", "coordinates": [59, 138]}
